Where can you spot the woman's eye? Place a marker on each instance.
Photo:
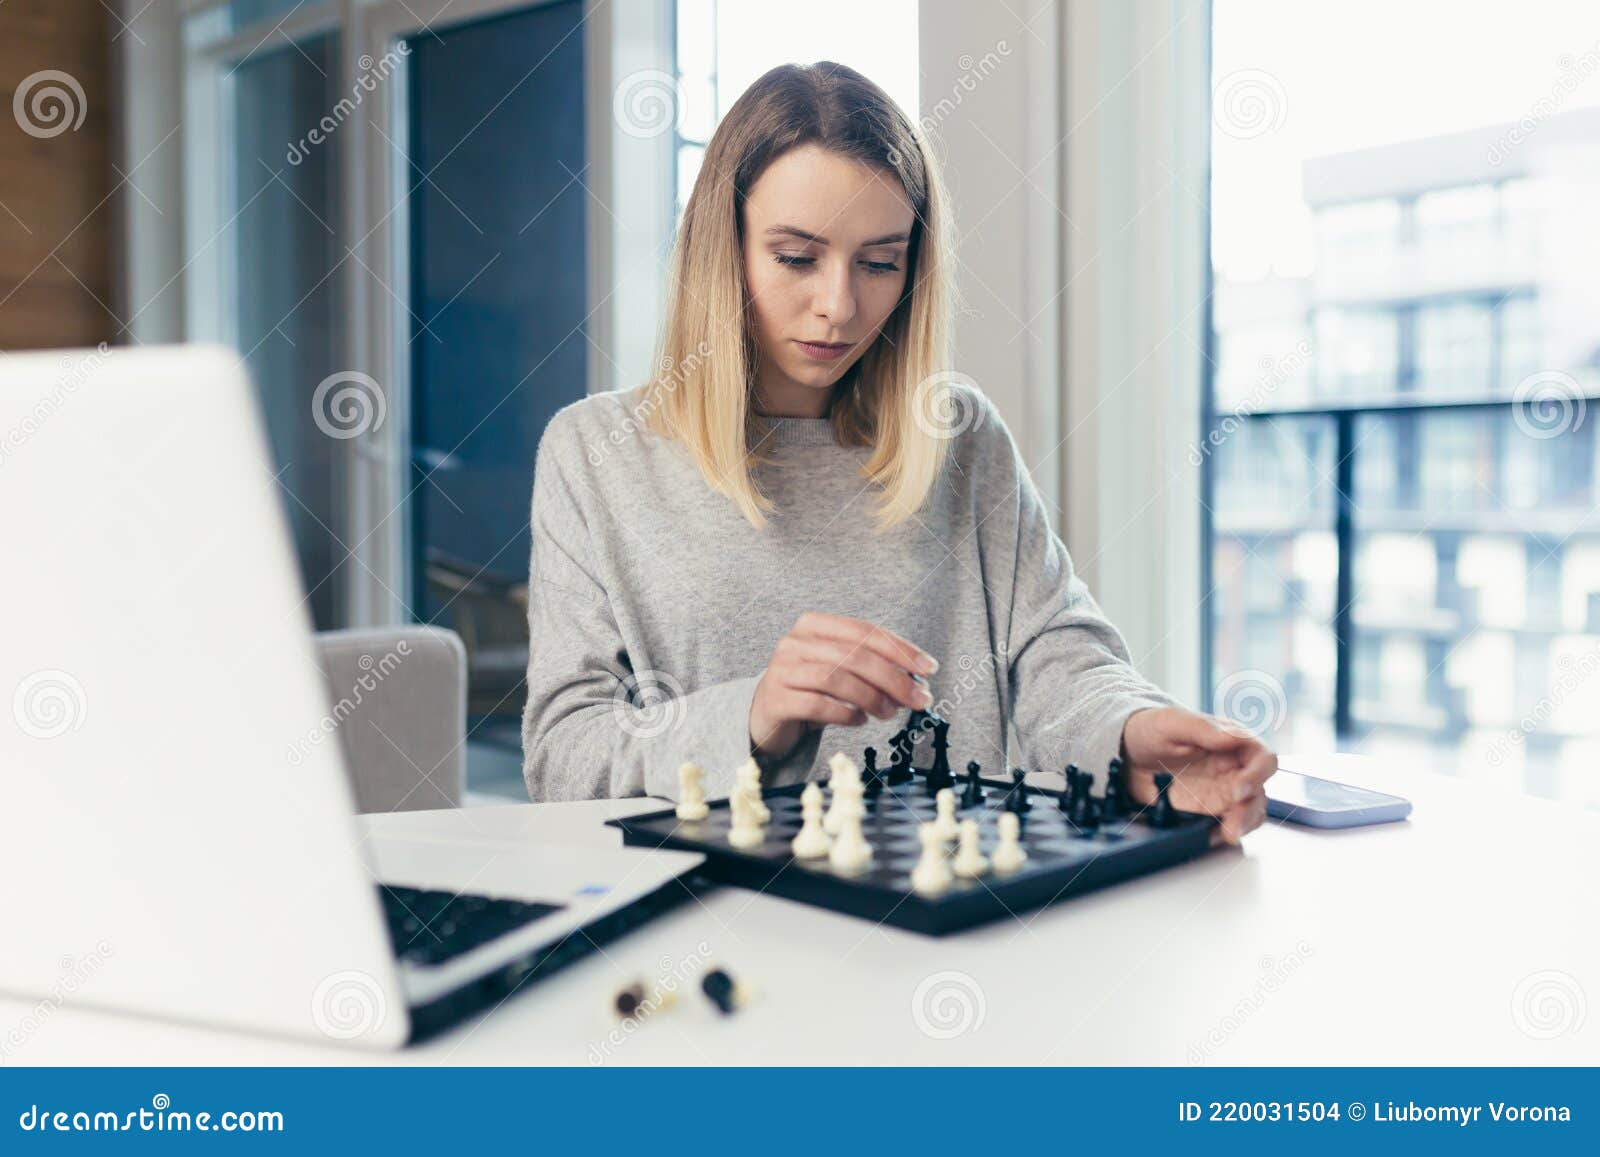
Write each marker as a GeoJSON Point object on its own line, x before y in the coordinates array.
{"type": "Point", "coordinates": [876, 268]}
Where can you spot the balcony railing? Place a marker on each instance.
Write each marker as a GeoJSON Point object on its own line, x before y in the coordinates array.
{"type": "Point", "coordinates": [1344, 417]}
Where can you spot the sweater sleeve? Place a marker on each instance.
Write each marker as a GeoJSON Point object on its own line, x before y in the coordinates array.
{"type": "Point", "coordinates": [1073, 685]}
{"type": "Point", "coordinates": [594, 726]}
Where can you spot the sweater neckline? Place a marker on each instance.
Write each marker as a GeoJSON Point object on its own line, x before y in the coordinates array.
{"type": "Point", "coordinates": [780, 431]}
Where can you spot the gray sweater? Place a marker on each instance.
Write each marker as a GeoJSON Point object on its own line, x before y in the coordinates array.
{"type": "Point", "coordinates": [654, 607]}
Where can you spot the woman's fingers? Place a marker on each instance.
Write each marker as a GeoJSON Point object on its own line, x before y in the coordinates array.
{"type": "Point", "coordinates": [844, 685]}
{"type": "Point", "coordinates": [1243, 818]}
{"type": "Point", "coordinates": [890, 681]}
{"type": "Point", "coordinates": [859, 633]}
{"type": "Point", "coordinates": [817, 707]}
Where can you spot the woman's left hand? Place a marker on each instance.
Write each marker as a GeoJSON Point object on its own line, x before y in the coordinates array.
{"type": "Point", "coordinates": [1218, 767]}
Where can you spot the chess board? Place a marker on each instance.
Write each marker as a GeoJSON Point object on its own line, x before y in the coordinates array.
{"type": "Point", "coordinates": [1063, 861]}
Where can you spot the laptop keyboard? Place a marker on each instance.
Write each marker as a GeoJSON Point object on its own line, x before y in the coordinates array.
{"type": "Point", "coordinates": [430, 927]}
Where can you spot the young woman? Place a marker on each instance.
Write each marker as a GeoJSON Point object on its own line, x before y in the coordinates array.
{"type": "Point", "coordinates": [806, 526]}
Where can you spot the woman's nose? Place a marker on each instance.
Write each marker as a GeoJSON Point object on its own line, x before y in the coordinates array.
{"type": "Point", "coordinates": [835, 299]}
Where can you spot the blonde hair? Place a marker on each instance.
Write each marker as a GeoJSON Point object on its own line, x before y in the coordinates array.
{"type": "Point", "coordinates": [893, 397]}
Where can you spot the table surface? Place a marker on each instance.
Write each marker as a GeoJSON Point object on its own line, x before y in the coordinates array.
{"type": "Point", "coordinates": [1465, 935]}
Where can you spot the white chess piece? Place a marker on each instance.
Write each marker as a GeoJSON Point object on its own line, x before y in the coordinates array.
{"type": "Point", "coordinates": [811, 841]}
{"type": "Point", "coordinates": [945, 803]}
{"type": "Point", "coordinates": [1009, 854]}
{"type": "Point", "coordinates": [932, 873]}
{"type": "Point", "coordinates": [692, 805]}
{"type": "Point", "coordinates": [746, 832]}
{"type": "Point", "coordinates": [850, 852]}
{"type": "Point", "coordinates": [970, 863]}
{"type": "Point", "coordinates": [748, 779]}
{"type": "Point", "coordinates": [848, 791]}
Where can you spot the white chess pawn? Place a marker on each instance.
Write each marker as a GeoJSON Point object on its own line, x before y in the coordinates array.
{"type": "Point", "coordinates": [945, 803]}
{"type": "Point", "coordinates": [811, 841]}
{"type": "Point", "coordinates": [969, 863]}
{"type": "Point", "coordinates": [1008, 853]}
{"type": "Point", "coordinates": [746, 832]}
{"type": "Point", "coordinates": [932, 873]}
{"type": "Point", "coordinates": [850, 852]}
{"type": "Point", "coordinates": [692, 806]}
{"type": "Point", "coordinates": [847, 800]}
{"type": "Point", "coordinates": [748, 779]}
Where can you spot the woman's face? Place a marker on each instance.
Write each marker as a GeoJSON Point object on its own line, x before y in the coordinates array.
{"type": "Point", "coordinates": [825, 246]}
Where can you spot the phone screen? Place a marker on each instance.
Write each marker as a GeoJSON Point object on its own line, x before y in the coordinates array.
{"type": "Point", "coordinates": [1323, 795]}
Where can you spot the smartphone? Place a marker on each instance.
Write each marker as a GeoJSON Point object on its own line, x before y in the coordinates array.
{"type": "Point", "coordinates": [1322, 803]}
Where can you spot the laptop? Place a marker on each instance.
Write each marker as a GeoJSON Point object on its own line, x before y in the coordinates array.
{"type": "Point", "coordinates": [157, 670]}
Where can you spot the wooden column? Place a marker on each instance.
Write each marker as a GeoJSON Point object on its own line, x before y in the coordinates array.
{"type": "Point", "coordinates": [57, 208]}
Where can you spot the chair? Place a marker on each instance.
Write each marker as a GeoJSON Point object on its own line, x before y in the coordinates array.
{"type": "Point", "coordinates": [398, 697]}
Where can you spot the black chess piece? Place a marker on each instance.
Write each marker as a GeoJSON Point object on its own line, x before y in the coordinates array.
{"type": "Point", "coordinates": [974, 794]}
{"type": "Point", "coordinates": [899, 758]}
{"type": "Point", "coordinates": [1082, 812]}
{"type": "Point", "coordinates": [939, 775]}
{"type": "Point", "coordinates": [872, 781]}
{"type": "Point", "coordinates": [1065, 802]}
{"type": "Point", "coordinates": [1114, 805]}
{"type": "Point", "coordinates": [1162, 814]}
{"type": "Point", "coordinates": [1017, 798]}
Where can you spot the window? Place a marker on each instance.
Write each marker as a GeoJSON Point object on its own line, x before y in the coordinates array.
{"type": "Point", "coordinates": [723, 47]}
{"type": "Point", "coordinates": [1455, 347]}
{"type": "Point", "coordinates": [1410, 559]}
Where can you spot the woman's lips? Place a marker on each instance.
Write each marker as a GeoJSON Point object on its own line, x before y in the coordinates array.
{"type": "Point", "coordinates": [823, 353]}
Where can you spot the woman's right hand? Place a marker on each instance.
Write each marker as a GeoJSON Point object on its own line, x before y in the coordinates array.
{"type": "Point", "coordinates": [833, 669]}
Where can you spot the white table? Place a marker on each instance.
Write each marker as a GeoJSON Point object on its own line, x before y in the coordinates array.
{"type": "Point", "coordinates": [1399, 944]}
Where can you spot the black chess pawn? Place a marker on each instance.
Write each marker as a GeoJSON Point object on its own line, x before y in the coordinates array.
{"type": "Point", "coordinates": [899, 758]}
{"type": "Point", "coordinates": [1114, 805]}
{"type": "Point", "coordinates": [1065, 802]}
{"type": "Point", "coordinates": [1017, 798]}
{"type": "Point", "coordinates": [872, 781]}
{"type": "Point", "coordinates": [1162, 814]}
{"type": "Point", "coordinates": [973, 794]}
{"type": "Point", "coordinates": [939, 775]}
{"type": "Point", "coordinates": [1082, 812]}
